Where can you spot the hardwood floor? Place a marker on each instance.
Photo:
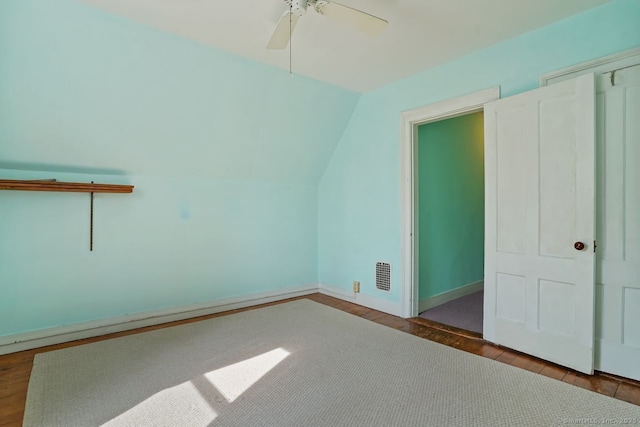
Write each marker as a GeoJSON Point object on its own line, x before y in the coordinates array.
{"type": "Point", "coordinates": [15, 368]}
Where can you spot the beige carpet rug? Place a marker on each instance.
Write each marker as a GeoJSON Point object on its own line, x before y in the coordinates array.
{"type": "Point", "coordinates": [296, 364]}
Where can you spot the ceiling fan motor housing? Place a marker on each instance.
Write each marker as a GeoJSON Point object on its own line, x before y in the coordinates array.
{"type": "Point", "coordinates": [298, 7]}
{"type": "Point", "coordinates": [362, 21]}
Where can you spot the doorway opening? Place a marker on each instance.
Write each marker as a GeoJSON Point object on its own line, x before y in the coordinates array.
{"type": "Point", "coordinates": [411, 122]}
{"type": "Point", "coordinates": [449, 181]}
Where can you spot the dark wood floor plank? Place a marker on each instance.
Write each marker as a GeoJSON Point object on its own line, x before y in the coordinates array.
{"type": "Point", "coordinates": [553, 371]}
{"type": "Point", "coordinates": [15, 368]}
{"type": "Point", "coordinates": [18, 386]}
{"type": "Point", "coordinates": [628, 393]}
{"type": "Point", "coordinates": [8, 360]}
{"type": "Point", "coordinates": [12, 409]}
{"type": "Point", "coordinates": [529, 363]}
{"type": "Point", "coordinates": [481, 349]}
{"type": "Point", "coordinates": [599, 384]}
{"type": "Point", "coordinates": [11, 419]}
{"type": "Point", "coordinates": [490, 351]}
{"type": "Point", "coordinates": [395, 322]}
{"type": "Point", "coordinates": [507, 356]}
{"type": "Point", "coordinates": [412, 328]}
{"type": "Point", "coordinates": [447, 328]}
{"type": "Point", "coordinates": [378, 317]}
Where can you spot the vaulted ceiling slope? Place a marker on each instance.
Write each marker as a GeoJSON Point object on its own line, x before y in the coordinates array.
{"type": "Point", "coordinates": [421, 33]}
{"type": "Point", "coordinates": [84, 88]}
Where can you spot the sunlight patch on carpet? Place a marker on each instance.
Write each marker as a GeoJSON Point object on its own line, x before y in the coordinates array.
{"type": "Point", "coordinates": [233, 380]}
{"type": "Point", "coordinates": [179, 405]}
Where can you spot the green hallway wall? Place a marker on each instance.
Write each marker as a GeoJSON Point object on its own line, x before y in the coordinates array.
{"type": "Point", "coordinates": [450, 204]}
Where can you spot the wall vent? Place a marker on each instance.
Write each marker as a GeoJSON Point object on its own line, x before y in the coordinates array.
{"type": "Point", "coordinates": [383, 276]}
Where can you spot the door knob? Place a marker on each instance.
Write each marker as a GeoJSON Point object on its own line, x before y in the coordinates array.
{"type": "Point", "coordinates": [579, 246]}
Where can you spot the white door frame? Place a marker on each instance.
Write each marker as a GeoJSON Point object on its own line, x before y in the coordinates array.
{"type": "Point", "coordinates": [410, 121]}
{"type": "Point", "coordinates": [605, 64]}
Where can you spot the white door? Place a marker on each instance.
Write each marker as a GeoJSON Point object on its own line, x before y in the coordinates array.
{"type": "Point", "coordinates": [618, 222]}
{"type": "Point", "coordinates": [539, 212]}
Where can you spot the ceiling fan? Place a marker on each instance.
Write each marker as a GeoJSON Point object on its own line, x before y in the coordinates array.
{"type": "Point", "coordinates": [357, 19]}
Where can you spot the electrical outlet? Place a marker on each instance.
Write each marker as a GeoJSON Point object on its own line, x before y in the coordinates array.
{"type": "Point", "coordinates": [356, 286]}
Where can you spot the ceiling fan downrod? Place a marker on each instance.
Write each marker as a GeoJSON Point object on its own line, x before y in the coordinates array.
{"type": "Point", "coordinates": [297, 7]}
{"type": "Point", "coordinates": [290, 41]}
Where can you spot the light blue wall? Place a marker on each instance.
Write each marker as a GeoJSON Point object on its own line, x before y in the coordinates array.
{"type": "Point", "coordinates": [223, 152]}
{"type": "Point", "coordinates": [80, 87]}
{"type": "Point", "coordinates": [360, 191]}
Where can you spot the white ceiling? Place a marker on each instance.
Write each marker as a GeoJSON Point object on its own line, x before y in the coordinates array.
{"type": "Point", "coordinates": [421, 33]}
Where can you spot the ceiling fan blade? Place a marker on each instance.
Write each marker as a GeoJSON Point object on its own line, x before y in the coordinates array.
{"type": "Point", "coordinates": [280, 37]}
{"type": "Point", "coordinates": [357, 19]}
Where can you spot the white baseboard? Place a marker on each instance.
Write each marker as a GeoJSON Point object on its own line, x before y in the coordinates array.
{"type": "Point", "coordinates": [434, 301]}
{"type": "Point", "coordinates": [366, 300]}
{"type": "Point", "coordinates": [78, 331]}
{"type": "Point", "coordinates": [57, 335]}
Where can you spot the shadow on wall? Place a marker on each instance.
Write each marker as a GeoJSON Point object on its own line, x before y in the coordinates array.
{"type": "Point", "coordinates": [43, 167]}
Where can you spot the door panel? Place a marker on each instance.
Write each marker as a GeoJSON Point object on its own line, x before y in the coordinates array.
{"type": "Point", "coordinates": [510, 293]}
{"type": "Point", "coordinates": [540, 200]}
{"type": "Point", "coordinates": [557, 177]}
{"type": "Point", "coordinates": [557, 308]}
{"type": "Point", "coordinates": [632, 175]}
{"type": "Point", "coordinates": [511, 200]}
{"type": "Point", "coordinates": [631, 300]}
